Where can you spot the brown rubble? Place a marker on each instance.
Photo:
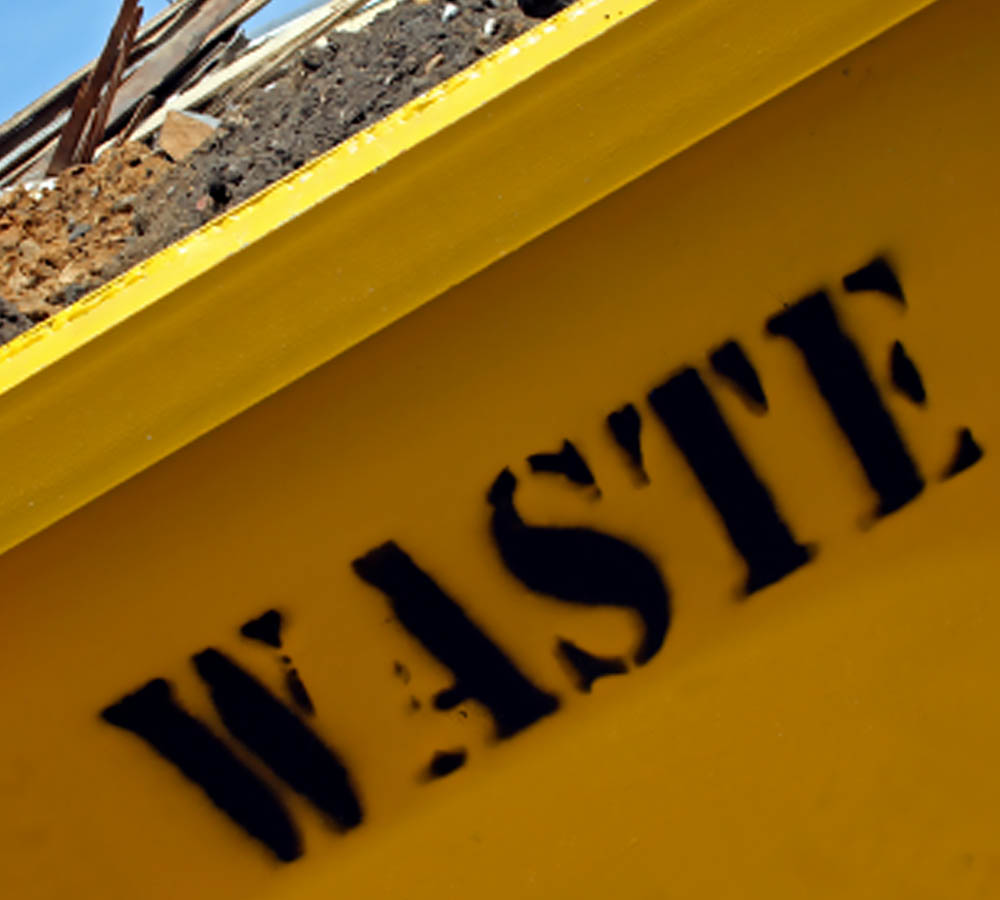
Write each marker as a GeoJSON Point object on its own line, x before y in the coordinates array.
{"type": "Point", "coordinates": [53, 241]}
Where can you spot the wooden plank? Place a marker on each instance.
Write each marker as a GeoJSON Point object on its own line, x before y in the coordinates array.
{"type": "Point", "coordinates": [147, 42]}
{"type": "Point", "coordinates": [245, 66]}
{"type": "Point", "coordinates": [31, 140]}
{"type": "Point", "coordinates": [169, 57]}
{"type": "Point", "coordinates": [55, 103]}
{"type": "Point", "coordinates": [41, 144]}
{"type": "Point", "coordinates": [30, 166]}
{"type": "Point", "coordinates": [87, 97]}
{"type": "Point", "coordinates": [249, 9]}
{"type": "Point", "coordinates": [209, 59]}
{"type": "Point", "coordinates": [141, 111]}
{"type": "Point", "coordinates": [85, 150]}
{"type": "Point", "coordinates": [27, 135]}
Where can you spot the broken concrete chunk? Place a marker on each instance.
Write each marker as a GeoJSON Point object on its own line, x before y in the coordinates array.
{"type": "Point", "coordinates": [182, 132]}
{"type": "Point", "coordinates": [10, 236]}
{"type": "Point", "coordinates": [29, 250]}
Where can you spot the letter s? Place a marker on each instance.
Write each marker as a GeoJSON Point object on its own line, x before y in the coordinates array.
{"type": "Point", "coordinates": [580, 565]}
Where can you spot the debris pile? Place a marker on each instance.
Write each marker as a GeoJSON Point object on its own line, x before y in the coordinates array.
{"type": "Point", "coordinates": [219, 126]}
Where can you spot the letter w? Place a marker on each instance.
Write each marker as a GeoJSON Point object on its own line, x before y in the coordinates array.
{"type": "Point", "coordinates": [265, 726]}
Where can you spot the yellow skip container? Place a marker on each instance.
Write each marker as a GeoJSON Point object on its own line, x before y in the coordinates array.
{"type": "Point", "coordinates": [579, 484]}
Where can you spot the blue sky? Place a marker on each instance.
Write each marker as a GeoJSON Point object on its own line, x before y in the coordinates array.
{"type": "Point", "coordinates": [43, 41]}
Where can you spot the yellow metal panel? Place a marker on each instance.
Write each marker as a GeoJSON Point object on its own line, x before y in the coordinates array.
{"type": "Point", "coordinates": [831, 734]}
{"type": "Point", "coordinates": [500, 153]}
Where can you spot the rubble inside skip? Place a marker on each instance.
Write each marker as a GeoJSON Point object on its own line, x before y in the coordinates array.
{"type": "Point", "coordinates": [154, 139]}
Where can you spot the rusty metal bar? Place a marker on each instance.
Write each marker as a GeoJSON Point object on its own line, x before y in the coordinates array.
{"type": "Point", "coordinates": [88, 95]}
{"type": "Point", "coordinates": [99, 120]}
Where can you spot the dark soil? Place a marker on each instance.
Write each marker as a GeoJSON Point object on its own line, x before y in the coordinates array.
{"type": "Point", "coordinates": [321, 97]}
